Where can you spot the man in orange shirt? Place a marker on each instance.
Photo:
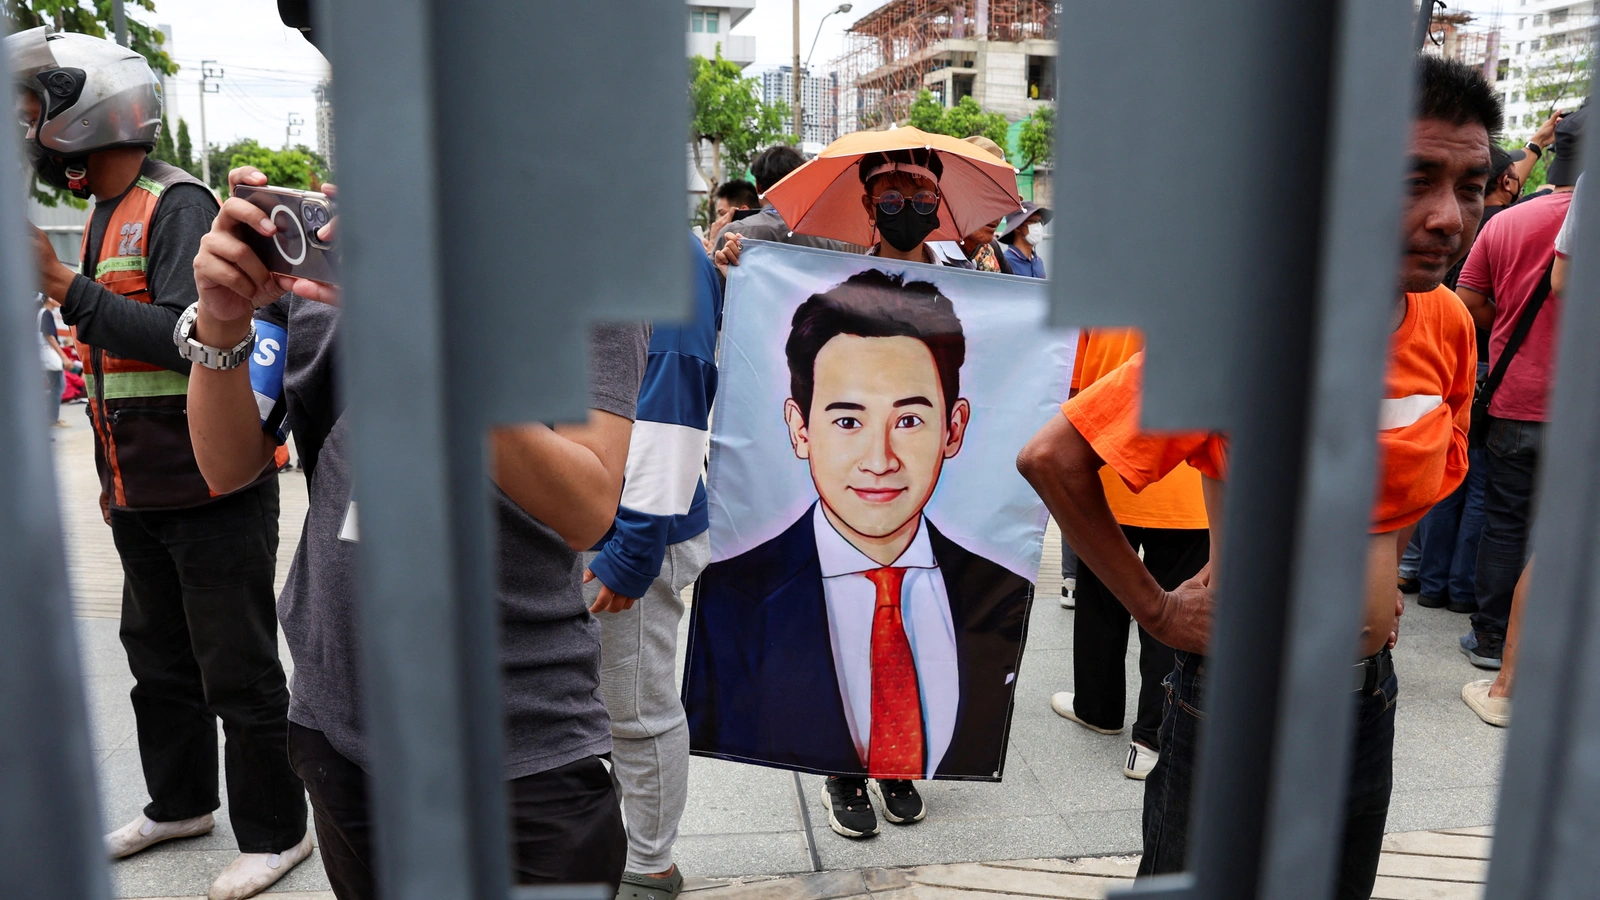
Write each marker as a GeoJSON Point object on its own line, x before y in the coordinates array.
{"type": "Point", "coordinates": [1422, 433]}
{"type": "Point", "coordinates": [1167, 521]}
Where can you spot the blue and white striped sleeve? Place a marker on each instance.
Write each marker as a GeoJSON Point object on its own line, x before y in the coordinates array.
{"type": "Point", "coordinates": [665, 458]}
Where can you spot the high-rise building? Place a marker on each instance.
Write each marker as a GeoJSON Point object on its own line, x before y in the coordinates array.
{"type": "Point", "coordinates": [708, 27]}
{"type": "Point", "coordinates": [324, 93]}
{"type": "Point", "coordinates": [819, 97]}
{"type": "Point", "coordinates": [1543, 61]}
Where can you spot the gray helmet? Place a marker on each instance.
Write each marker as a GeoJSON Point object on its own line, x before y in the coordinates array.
{"type": "Point", "coordinates": [94, 95]}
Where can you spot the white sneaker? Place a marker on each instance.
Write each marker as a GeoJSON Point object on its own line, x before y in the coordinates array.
{"type": "Point", "coordinates": [1494, 711]}
{"type": "Point", "coordinates": [1069, 591]}
{"type": "Point", "coordinates": [1141, 760]}
{"type": "Point", "coordinates": [251, 873]}
{"type": "Point", "coordinates": [143, 832]}
{"type": "Point", "coordinates": [1061, 702]}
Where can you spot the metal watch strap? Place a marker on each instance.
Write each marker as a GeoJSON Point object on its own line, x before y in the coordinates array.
{"type": "Point", "coordinates": [205, 355]}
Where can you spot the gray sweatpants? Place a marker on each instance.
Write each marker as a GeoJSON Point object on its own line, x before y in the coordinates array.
{"type": "Point", "coordinates": [638, 682]}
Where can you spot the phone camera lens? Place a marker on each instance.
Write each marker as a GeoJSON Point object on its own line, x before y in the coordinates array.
{"type": "Point", "coordinates": [315, 216]}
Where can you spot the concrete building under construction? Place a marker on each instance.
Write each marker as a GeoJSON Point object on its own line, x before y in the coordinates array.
{"type": "Point", "coordinates": [1002, 53]}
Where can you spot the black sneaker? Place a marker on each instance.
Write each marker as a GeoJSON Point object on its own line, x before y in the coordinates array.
{"type": "Point", "coordinates": [902, 805]}
{"type": "Point", "coordinates": [1483, 650]}
{"type": "Point", "coordinates": [1410, 586]}
{"type": "Point", "coordinates": [1429, 601]}
{"type": "Point", "coordinates": [849, 808]}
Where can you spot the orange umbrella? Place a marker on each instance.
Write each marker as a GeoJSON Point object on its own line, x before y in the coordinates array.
{"type": "Point", "coordinates": [823, 197]}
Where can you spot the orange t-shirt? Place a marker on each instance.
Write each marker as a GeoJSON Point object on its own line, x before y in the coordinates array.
{"type": "Point", "coordinates": [1175, 501]}
{"type": "Point", "coordinates": [1422, 422]}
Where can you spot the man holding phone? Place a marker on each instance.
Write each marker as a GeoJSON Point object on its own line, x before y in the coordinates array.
{"type": "Point", "coordinates": [198, 618]}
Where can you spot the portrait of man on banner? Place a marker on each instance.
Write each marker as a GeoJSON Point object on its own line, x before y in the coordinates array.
{"type": "Point", "coordinates": [865, 636]}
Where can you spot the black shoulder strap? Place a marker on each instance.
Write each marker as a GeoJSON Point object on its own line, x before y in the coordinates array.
{"type": "Point", "coordinates": [1519, 333]}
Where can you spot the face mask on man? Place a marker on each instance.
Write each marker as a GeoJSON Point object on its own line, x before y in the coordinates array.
{"type": "Point", "coordinates": [907, 228]}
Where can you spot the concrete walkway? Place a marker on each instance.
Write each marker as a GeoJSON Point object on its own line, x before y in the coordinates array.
{"type": "Point", "coordinates": [1064, 796]}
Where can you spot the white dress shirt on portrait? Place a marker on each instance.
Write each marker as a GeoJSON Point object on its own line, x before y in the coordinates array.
{"type": "Point", "coordinates": [852, 599]}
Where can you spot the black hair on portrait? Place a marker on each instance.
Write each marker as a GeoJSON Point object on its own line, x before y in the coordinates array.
{"type": "Point", "coordinates": [876, 304]}
{"type": "Point", "coordinates": [1452, 91]}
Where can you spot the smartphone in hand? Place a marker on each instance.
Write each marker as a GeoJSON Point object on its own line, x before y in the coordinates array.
{"type": "Point", "coordinates": [295, 250]}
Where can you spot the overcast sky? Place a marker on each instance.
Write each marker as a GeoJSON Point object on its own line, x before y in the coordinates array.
{"type": "Point", "coordinates": [270, 70]}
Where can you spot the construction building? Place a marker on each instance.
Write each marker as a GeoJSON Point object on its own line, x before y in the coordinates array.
{"type": "Point", "coordinates": [1002, 53]}
{"type": "Point", "coordinates": [820, 96]}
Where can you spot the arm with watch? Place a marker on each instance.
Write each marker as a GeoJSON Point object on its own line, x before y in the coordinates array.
{"type": "Point", "coordinates": [217, 334]}
{"type": "Point", "coordinates": [1535, 147]}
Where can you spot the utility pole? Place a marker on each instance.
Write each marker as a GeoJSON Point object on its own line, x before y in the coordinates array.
{"type": "Point", "coordinates": [799, 111]}
{"type": "Point", "coordinates": [292, 130]}
{"type": "Point", "coordinates": [210, 75]}
{"type": "Point", "coordinates": [119, 22]}
{"type": "Point", "coordinates": [1424, 22]}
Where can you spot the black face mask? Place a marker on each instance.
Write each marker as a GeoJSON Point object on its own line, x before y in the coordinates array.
{"type": "Point", "coordinates": [907, 228]}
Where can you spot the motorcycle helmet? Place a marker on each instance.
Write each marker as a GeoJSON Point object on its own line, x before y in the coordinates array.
{"type": "Point", "coordinates": [94, 95]}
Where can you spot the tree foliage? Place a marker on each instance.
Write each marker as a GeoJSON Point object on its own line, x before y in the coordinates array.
{"type": "Point", "coordinates": [94, 19]}
{"type": "Point", "coordinates": [728, 117]}
{"type": "Point", "coordinates": [1037, 139]}
{"type": "Point", "coordinates": [963, 120]}
{"type": "Point", "coordinates": [186, 160]}
{"type": "Point", "coordinates": [300, 167]}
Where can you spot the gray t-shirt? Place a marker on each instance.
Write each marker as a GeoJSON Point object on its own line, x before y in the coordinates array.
{"type": "Point", "coordinates": [550, 644]}
{"type": "Point", "coordinates": [1566, 237]}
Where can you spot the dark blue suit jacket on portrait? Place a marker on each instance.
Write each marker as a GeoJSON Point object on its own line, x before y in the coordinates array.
{"type": "Point", "coordinates": [760, 685]}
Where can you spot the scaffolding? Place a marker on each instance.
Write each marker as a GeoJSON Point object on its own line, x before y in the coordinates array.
{"type": "Point", "coordinates": [890, 50]}
{"type": "Point", "coordinates": [1456, 36]}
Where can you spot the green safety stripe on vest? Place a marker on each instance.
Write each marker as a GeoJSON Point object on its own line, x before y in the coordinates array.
{"type": "Point", "coordinates": [153, 187]}
{"type": "Point", "coordinates": [119, 264]}
{"type": "Point", "coordinates": [128, 385]}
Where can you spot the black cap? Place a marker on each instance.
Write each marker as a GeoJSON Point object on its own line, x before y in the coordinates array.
{"type": "Point", "coordinates": [297, 15]}
{"type": "Point", "coordinates": [1568, 162]}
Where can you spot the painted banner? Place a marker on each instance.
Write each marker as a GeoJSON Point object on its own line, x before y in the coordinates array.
{"type": "Point", "coordinates": [873, 549]}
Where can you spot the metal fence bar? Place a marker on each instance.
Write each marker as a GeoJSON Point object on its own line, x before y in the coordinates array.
{"type": "Point", "coordinates": [459, 164]}
{"type": "Point", "coordinates": [1232, 347]}
{"type": "Point", "coordinates": [433, 839]}
{"type": "Point", "coordinates": [49, 815]}
{"type": "Point", "coordinates": [1549, 787]}
{"type": "Point", "coordinates": [1355, 305]}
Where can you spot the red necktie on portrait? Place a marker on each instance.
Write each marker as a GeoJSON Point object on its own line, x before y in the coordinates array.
{"type": "Point", "coordinates": [896, 744]}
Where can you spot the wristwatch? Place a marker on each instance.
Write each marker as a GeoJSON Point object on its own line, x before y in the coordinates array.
{"type": "Point", "coordinates": [210, 357]}
{"type": "Point", "coordinates": [1538, 151]}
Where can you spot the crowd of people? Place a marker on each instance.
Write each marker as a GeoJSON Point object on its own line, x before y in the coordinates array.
{"type": "Point", "coordinates": [603, 524]}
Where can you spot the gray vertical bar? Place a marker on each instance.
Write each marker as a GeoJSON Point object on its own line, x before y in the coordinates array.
{"type": "Point", "coordinates": [469, 211]}
{"type": "Point", "coordinates": [1549, 787]}
{"type": "Point", "coordinates": [1355, 306]}
{"type": "Point", "coordinates": [439, 810]}
{"type": "Point", "coordinates": [49, 818]}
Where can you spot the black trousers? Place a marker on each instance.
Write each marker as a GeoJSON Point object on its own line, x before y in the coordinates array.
{"type": "Point", "coordinates": [200, 626]}
{"type": "Point", "coordinates": [566, 824]}
{"type": "Point", "coordinates": [1100, 634]}
{"type": "Point", "coordinates": [1508, 510]}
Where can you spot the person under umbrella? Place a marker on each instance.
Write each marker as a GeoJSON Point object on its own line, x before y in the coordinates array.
{"type": "Point", "coordinates": [1020, 250]}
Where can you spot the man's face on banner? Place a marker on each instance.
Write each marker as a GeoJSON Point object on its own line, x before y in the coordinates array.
{"type": "Point", "coordinates": [878, 433]}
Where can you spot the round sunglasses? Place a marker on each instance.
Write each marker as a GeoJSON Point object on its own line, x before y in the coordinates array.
{"type": "Point", "coordinates": [891, 202]}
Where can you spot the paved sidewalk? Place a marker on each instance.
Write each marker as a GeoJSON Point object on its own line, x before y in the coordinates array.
{"type": "Point", "coordinates": [1063, 797]}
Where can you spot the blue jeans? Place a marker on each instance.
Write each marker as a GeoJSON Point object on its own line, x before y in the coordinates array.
{"type": "Point", "coordinates": [1508, 503]}
{"type": "Point", "coordinates": [1167, 791]}
{"type": "Point", "coordinates": [1448, 536]}
{"type": "Point", "coordinates": [1411, 560]}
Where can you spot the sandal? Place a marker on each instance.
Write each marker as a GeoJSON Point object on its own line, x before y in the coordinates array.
{"type": "Point", "coordinates": [648, 887]}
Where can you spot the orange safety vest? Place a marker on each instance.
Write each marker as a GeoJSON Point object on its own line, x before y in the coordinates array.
{"type": "Point", "coordinates": [139, 410]}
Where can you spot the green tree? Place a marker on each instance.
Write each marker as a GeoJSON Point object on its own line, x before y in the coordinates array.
{"type": "Point", "coordinates": [186, 160]}
{"type": "Point", "coordinates": [295, 168]}
{"type": "Point", "coordinates": [963, 120]}
{"type": "Point", "coordinates": [728, 115]}
{"type": "Point", "coordinates": [92, 19]}
{"type": "Point", "coordinates": [1037, 140]}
